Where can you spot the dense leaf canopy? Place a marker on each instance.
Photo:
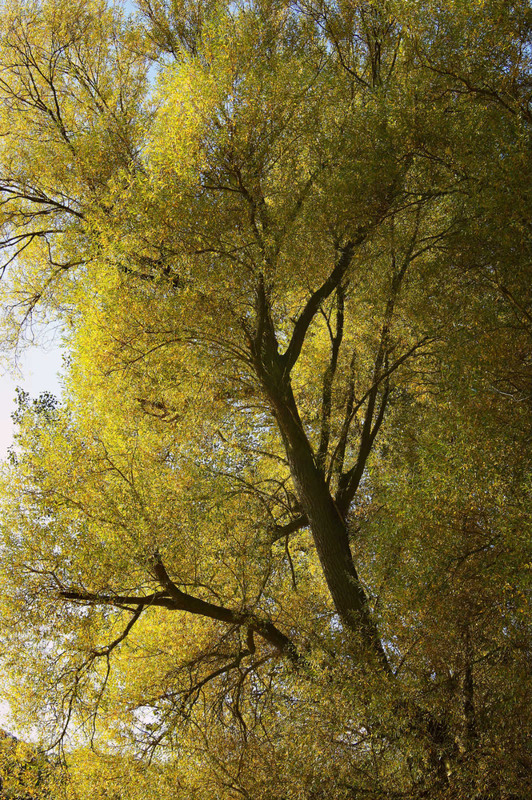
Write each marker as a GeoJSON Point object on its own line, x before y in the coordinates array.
{"type": "Point", "coordinates": [274, 541]}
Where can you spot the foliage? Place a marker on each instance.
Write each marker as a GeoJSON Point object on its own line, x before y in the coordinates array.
{"type": "Point", "coordinates": [274, 542]}
{"type": "Point", "coordinates": [26, 773]}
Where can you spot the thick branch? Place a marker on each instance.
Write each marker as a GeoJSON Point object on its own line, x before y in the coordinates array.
{"type": "Point", "coordinates": [174, 599]}
{"type": "Point", "coordinates": [159, 599]}
{"type": "Point", "coordinates": [301, 326]}
{"type": "Point", "coordinates": [328, 527]}
{"type": "Point", "coordinates": [297, 524]}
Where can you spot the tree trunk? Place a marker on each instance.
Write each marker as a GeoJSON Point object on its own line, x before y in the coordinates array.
{"type": "Point", "coordinates": [327, 525]}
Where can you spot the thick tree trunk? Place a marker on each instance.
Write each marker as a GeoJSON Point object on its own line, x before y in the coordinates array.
{"type": "Point", "coordinates": [327, 525]}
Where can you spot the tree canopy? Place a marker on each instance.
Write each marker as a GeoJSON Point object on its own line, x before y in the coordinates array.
{"type": "Point", "coordinates": [274, 540]}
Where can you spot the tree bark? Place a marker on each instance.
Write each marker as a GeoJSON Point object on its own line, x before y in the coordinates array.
{"type": "Point", "coordinates": [327, 525]}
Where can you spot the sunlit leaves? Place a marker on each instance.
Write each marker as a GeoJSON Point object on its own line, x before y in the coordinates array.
{"type": "Point", "coordinates": [287, 246]}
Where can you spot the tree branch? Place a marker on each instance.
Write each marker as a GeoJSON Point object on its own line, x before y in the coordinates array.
{"type": "Point", "coordinates": [106, 651]}
{"type": "Point", "coordinates": [174, 599]}
{"type": "Point", "coordinates": [291, 354]}
{"type": "Point", "coordinates": [350, 480]}
{"type": "Point", "coordinates": [328, 378]}
{"type": "Point", "coordinates": [194, 605]}
{"type": "Point", "coordinates": [297, 524]}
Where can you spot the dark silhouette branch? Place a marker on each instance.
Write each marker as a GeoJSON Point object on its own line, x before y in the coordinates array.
{"type": "Point", "coordinates": [292, 352]}
{"type": "Point", "coordinates": [328, 379]}
{"type": "Point", "coordinates": [297, 524]}
{"type": "Point", "coordinates": [350, 480]}
{"type": "Point", "coordinates": [174, 599]}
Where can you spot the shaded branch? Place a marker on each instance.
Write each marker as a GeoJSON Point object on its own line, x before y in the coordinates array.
{"type": "Point", "coordinates": [291, 354]}
{"type": "Point", "coordinates": [194, 605]}
{"type": "Point", "coordinates": [174, 599]}
{"type": "Point", "coordinates": [328, 378]}
{"type": "Point", "coordinates": [297, 524]}
{"type": "Point", "coordinates": [350, 480]}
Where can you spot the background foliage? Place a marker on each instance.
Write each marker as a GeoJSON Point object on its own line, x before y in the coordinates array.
{"type": "Point", "coordinates": [274, 542]}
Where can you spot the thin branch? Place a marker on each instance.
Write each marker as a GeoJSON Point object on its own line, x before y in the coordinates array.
{"type": "Point", "coordinates": [375, 385]}
{"type": "Point", "coordinates": [328, 378]}
{"type": "Point", "coordinates": [106, 651]}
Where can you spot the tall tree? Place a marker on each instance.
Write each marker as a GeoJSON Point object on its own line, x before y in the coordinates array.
{"type": "Point", "coordinates": [273, 539]}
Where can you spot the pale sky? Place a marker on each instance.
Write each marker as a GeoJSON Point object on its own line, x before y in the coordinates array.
{"type": "Point", "coordinates": [37, 372]}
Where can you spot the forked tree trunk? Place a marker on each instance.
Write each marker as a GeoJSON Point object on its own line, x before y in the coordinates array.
{"type": "Point", "coordinates": [327, 525]}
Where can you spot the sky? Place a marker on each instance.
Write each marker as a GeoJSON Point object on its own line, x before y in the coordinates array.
{"type": "Point", "coordinates": [38, 371]}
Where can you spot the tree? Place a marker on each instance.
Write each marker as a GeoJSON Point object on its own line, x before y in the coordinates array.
{"type": "Point", "coordinates": [275, 537]}
{"type": "Point", "coordinates": [26, 773]}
